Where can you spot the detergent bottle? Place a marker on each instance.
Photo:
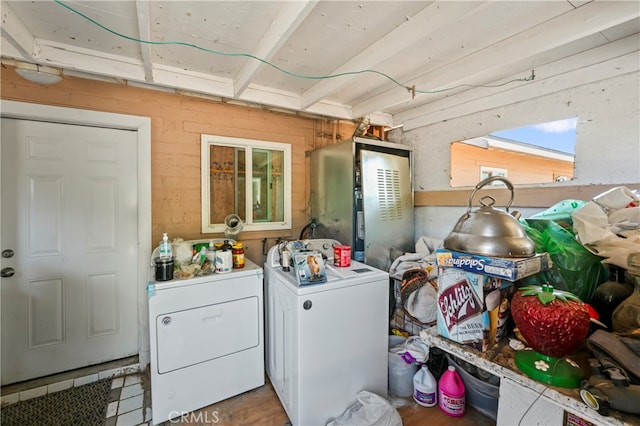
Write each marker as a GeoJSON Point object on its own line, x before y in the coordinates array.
{"type": "Point", "coordinates": [425, 387]}
{"type": "Point", "coordinates": [451, 393]}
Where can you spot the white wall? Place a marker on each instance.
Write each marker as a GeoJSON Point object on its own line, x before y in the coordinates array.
{"type": "Point", "coordinates": [607, 145]}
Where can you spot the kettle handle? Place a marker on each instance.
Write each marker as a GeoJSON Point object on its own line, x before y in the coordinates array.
{"type": "Point", "coordinates": [488, 181]}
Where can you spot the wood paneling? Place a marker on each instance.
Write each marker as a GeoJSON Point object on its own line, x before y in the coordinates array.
{"type": "Point", "coordinates": [466, 161]}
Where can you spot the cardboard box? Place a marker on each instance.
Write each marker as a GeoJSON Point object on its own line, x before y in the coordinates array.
{"type": "Point", "coordinates": [473, 309]}
{"type": "Point", "coordinates": [511, 269]}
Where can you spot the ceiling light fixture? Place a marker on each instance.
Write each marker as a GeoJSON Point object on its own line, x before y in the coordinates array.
{"type": "Point", "coordinates": [38, 73]}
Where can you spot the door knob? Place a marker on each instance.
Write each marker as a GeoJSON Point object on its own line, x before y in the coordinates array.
{"type": "Point", "coordinates": [7, 272]}
{"type": "Point", "coordinates": [7, 253]}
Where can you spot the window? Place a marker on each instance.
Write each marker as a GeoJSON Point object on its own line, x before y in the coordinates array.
{"type": "Point", "coordinates": [259, 193]}
{"type": "Point", "coordinates": [487, 172]}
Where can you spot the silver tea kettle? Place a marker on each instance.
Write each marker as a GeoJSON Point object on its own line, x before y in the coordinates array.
{"type": "Point", "coordinates": [488, 231]}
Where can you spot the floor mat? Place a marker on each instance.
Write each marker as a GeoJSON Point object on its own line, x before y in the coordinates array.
{"type": "Point", "coordinates": [80, 405]}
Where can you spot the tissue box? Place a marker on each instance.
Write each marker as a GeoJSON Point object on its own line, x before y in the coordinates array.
{"type": "Point", "coordinates": [473, 309]}
{"type": "Point", "coordinates": [511, 269]}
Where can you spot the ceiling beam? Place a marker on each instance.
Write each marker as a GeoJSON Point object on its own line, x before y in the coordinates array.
{"type": "Point", "coordinates": [568, 27]}
{"type": "Point", "coordinates": [17, 34]}
{"type": "Point", "coordinates": [9, 50]}
{"type": "Point", "coordinates": [555, 69]}
{"type": "Point", "coordinates": [87, 60]}
{"type": "Point", "coordinates": [608, 61]}
{"type": "Point", "coordinates": [291, 15]}
{"type": "Point", "coordinates": [144, 33]}
{"type": "Point", "coordinates": [436, 15]}
{"type": "Point", "coordinates": [192, 81]}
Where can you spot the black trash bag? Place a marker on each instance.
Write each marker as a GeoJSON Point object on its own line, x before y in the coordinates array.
{"type": "Point", "coordinates": [437, 362]}
{"type": "Point", "coordinates": [575, 269]}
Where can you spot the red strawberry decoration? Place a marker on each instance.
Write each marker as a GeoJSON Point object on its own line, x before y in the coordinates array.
{"type": "Point", "coordinates": [553, 322]}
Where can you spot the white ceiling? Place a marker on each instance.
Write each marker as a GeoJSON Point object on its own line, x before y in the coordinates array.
{"type": "Point", "coordinates": [340, 59]}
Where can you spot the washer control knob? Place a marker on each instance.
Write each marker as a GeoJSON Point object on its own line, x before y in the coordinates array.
{"type": "Point", "coordinates": [307, 305]}
{"type": "Point", "coordinates": [166, 320]}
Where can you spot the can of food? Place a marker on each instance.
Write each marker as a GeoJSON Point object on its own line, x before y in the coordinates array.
{"type": "Point", "coordinates": [342, 256]}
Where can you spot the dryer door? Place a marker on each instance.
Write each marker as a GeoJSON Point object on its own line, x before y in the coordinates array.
{"type": "Point", "coordinates": [201, 334]}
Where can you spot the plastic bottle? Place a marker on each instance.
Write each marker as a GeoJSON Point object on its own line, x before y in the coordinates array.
{"type": "Point", "coordinates": [425, 388]}
{"type": "Point", "coordinates": [165, 247]}
{"type": "Point", "coordinates": [285, 258]}
{"type": "Point", "coordinates": [211, 253]}
{"type": "Point", "coordinates": [451, 393]}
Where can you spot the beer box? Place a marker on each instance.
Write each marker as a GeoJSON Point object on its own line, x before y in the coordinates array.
{"type": "Point", "coordinates": [473, 309]}
{"type": "Point", "coordinates": [511, 269]}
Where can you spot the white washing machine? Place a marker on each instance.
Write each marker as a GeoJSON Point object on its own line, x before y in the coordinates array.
{"type": "Point", "coordinates": [207, 339]}
{"type": "Point", "coordinates": [325, 342]}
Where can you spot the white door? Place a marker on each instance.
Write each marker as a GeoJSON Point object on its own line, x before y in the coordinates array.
{"type": "Point", "coordinates": [69, 214]}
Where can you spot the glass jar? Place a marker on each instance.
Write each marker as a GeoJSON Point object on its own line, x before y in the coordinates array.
{"type": "Point", "coordinates": [238, 256]}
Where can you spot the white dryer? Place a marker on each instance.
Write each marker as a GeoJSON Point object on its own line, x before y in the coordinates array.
{"type": "Point", "coordinates": [325, 342]}
{"type": "Point", "coordinates": [206, 337]}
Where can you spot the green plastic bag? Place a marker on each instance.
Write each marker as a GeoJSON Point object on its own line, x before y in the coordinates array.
{"type": "Point", "coordinates": [575, 269]}
{"type": "Point", "coordinates": [561, 213]}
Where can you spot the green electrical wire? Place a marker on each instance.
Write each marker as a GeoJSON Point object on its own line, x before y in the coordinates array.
{"type": "Point", "coordinates": [292, 74]}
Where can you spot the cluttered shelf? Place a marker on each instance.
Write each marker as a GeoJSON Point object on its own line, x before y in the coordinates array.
{"type": "Point", "coordinates": [499, 360]}
{"type": "Point", "coordinates": [567, 279]}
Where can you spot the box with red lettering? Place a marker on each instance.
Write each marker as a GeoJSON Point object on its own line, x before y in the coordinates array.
{"type": "Point", "coordinates": [473, 309]}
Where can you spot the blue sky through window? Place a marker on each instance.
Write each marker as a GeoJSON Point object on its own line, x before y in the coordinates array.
{"type": "Point", "coordinates": [559, 135]}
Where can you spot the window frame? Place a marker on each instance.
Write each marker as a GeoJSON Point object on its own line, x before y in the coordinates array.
{"type": "Point", "coordinates": [248, 145]}
{"type": "Point", "coordinates": [493, 171]}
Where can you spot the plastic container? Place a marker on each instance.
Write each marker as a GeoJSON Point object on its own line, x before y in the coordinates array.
{"type": "Point", "coordinates": [165, 247]}
{"type": "Point", "coordinates": [479, 394]}
{"type": "Point", "coordinates": [224, 261]}
{"type": "Point", "coordinates": [425, 388]}
{"type": "Point", "coordinates": [211, 253]}
{"type": "Point", "coordinates": [164, 269]}
{"type": "Point", "coordinates": [285, 259]}
{"type": "Point", "coordinates": [451, 399]}
{"type": "Point", "coordinates": [400, 373]}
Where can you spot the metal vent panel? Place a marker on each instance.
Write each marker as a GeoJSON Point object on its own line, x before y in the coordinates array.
{"type": "Point", "coordinates": [389, 195]}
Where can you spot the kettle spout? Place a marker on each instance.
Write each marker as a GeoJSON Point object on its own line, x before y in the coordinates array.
{"type": "Point", "coordinates": [516, 214]}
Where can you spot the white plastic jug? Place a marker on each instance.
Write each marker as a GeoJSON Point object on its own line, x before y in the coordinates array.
{"type": "Point", "coordinates": [400, 373]}
{"type": "Point", "coordinates": [425, 388]}
{"type": "Point", "coordinates": [224, 261]}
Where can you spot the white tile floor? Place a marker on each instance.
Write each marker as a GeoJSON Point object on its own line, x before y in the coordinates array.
{"type": "Point", "coordinates": [130, 402]}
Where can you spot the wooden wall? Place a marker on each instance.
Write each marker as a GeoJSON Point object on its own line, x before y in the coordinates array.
{"type": "Point", "coordinates": [521, 168]}
{"type": "Point", "coordinates": [177, 121]}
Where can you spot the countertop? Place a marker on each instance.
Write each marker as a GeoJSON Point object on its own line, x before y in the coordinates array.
{"type": "Point", "coordinates": [499, 360]}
